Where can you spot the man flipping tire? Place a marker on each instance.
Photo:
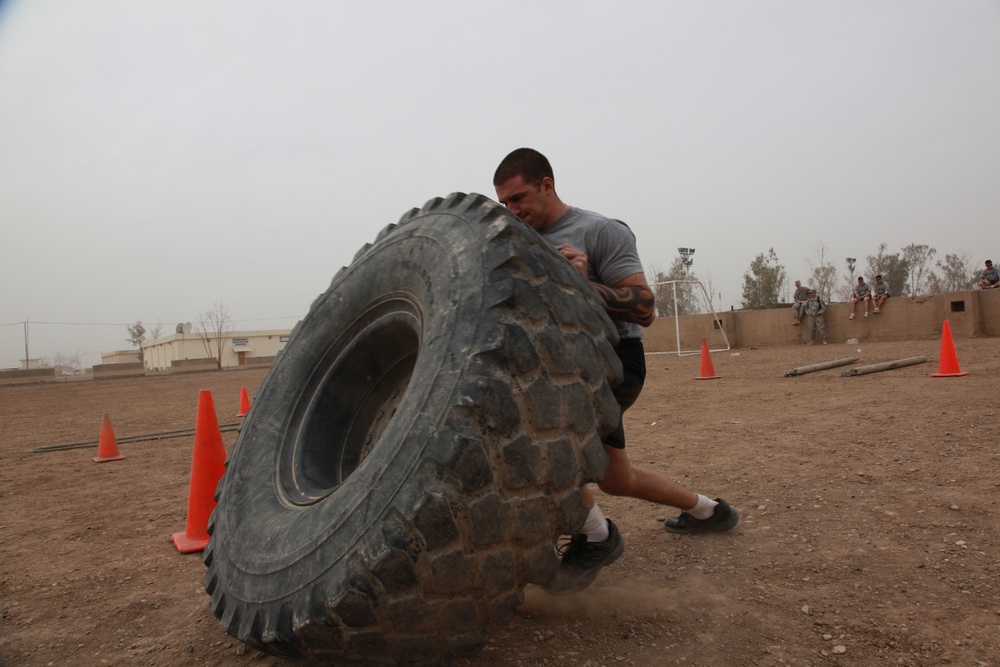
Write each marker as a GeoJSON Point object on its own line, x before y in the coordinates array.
{"type": "Point", "coordinates": [604, 251]}
{"type": "Point", "coordinates": [417, 447]}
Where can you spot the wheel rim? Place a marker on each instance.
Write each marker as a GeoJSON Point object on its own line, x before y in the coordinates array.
{"type": "Point", "coordinates": [350, 401]}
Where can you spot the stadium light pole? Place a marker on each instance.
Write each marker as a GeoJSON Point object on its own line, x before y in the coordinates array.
{"type": "Point", "coordinates": [686, 259]}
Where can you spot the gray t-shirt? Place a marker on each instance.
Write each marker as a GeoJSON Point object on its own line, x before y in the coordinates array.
{"type": "Point", "coordinates": [610, 248]}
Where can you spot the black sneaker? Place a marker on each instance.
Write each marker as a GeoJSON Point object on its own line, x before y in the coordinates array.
{"type": "Point", "coordinates": [724, 518]}
{"type": "Point", "coordinates": [582, 560]}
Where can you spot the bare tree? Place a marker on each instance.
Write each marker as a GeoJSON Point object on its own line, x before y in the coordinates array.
{"type": "Point", "coordinates": [823, 276]}
{"type": "Point", "coordinates": [74, 360]}
{"type": "Point", "coordinates": [917, 257]}
{"type": "Point", "coordinates": [213, 326]}
{"type": "Point", "coordinates": [155, 331]}
{"type": "Point", "coordinates": [957, 273]}
{"type": "Point", "coordinates": [709, 284]}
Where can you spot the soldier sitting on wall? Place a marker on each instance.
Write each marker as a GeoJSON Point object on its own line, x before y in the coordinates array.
{"type": "Point", "coordinates": [799, 302]}
{"type": "Point", "coordinates": [989, 278]}
{"type": "Point", "coordinates": [862, 292]}
{"type": "Point", "coordinates": [880, 293]}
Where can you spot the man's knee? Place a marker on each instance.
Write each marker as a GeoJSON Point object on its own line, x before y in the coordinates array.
{"type": "Point", "coordinates": [614, 485]}
{"type": "Point", "coordinates": [618, 476]}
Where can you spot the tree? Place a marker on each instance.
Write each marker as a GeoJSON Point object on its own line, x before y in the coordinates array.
{"type": "Point", "coordinates": [823, 276]}
{"type": "Point", "coordinates": [72, 360]}
{"type": "Point", "coordinates": [893, 269]}
{"type": "Point", "coordinates": [213, 326]}
{"type": "Point", "coordinates": [709, 284]}
{"type": "Point", "coordinates": [957, 273]}
{"type": "Point", "coordinates": [917, 258]}
{"type": "Point", "coordinates": [136, 336]}
{"type": "Point", "coordinates": [762, 282]}
{"type": "Point", "coordinates": [686, 298]}
{"type": "Point", "coordinates": [155, 332]}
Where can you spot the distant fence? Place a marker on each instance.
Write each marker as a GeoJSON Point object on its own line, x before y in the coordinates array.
{"type": "Point", "coordinates": [109, 371]}
{"type": "Point", "coordinates": [970, 314]}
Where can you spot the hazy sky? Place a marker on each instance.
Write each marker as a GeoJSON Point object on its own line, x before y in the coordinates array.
{"type": "Point", "coordinates": [158, 157]}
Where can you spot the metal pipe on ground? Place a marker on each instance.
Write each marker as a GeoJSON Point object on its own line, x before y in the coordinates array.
{"type": "Point", "coordinates": [162, 435]}
{"type": "Point", "coordinates": [802, 370]}
{"type": "Point", "coordinates": [885, 366]}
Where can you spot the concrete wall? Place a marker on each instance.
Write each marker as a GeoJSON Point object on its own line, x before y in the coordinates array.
{"type": "Point", "coordinates": [104, 371]}
{"type": "Point", "coordinates": [193, 365]}
{"type": "Point", "coordinates": [28, 376]}
{"type": "Point", "coordinates": [970, 314]}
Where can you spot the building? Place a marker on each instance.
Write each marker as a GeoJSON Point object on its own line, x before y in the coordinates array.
{"type": "Point", "coordinates": [120, 357]}
{"type": "Point", "coordinates": [198, 351]}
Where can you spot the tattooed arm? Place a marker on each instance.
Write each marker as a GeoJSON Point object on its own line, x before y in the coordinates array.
{"type": "Point", "coordinates": [630, 300]}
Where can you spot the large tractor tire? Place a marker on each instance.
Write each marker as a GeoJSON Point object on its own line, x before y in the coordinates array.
{"type": "Point", "coordinates": [417, 448]}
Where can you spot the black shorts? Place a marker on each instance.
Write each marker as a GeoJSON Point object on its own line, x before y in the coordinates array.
{"type": "Point", "coordinates": [633, 358]}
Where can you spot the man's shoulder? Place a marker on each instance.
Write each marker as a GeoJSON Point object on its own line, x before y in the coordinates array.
{"type": "Point", "coordinates": [592, 225]}
{"type": "Point", "coordinates": [576, 215]}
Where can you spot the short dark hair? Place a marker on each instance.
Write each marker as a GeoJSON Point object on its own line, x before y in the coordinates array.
{"type": "Point", "coordinates": [527, 163]}
{"type": "Point", "coordinates": [990, 262]}
{"type": "Point", "coordinates": [878, 277]}
{"type": "Point", "coordinates": [861, 279]}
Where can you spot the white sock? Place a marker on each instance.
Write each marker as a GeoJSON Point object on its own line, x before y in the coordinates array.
{"type": "Point", "coordinates": [704, 508]}
{"type": "Point", "coordinates": [596, 526]}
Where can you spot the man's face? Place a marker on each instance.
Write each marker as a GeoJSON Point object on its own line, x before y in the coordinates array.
{"type": "Point", "coordinates": [531, 203]}
{"type": "Point", "coordinates": [878, 280]}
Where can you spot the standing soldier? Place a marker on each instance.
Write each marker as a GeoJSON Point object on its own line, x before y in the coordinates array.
{"type": "Point", "coordinates": [815, 309]}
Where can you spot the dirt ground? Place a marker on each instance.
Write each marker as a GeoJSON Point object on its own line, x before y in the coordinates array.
{"type": "Point", "coordinates": [869, 534]}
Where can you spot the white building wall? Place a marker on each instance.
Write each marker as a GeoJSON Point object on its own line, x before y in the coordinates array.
{"type": "Point", "coordinates": [159, 354]}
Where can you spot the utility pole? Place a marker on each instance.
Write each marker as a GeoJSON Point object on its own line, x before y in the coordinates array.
{"type": "Point", "coordinates": [851, 262]}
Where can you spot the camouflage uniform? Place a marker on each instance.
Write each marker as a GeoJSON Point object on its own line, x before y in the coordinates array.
{"type": "Point", "coordinates": [815, 309]}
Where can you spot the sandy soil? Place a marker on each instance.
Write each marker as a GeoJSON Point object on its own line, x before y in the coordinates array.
{"type": "Point", "coordinates": [869, 532]}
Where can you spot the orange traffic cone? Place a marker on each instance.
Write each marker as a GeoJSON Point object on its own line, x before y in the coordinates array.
{"type": "Point", "coordinates": [107, 447]}
{"type": "Point", "coordinates": [207, 467]}
{"type": "Point", "coordinates": [707, 370]}
{"type": "Point", "coordinates": [244, 403]}
{"type": "Point", "coordinates": [948, 362]}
